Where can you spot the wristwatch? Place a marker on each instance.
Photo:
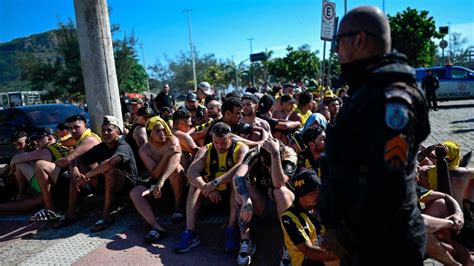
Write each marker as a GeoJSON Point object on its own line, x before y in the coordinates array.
{"type": "Point", "coordinates": [216, 182]}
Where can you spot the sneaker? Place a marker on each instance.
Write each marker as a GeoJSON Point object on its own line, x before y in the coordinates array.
{"type": "Point", "coordinates": [189, 239]}
{"type": "Point", "coordinates": [231, 239]}
{"type": "Point", "coordinates": [247, 249]}
{"type": "Point", "coordinates": [285, 258]}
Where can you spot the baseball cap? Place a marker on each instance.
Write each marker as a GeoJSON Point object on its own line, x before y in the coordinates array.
{"type": "Point", "coordinates": [205, 87]}
{"type": "Point", "coordinates": [191, 97]}
{"type": "Point", "coordinates": [287, 98]}
{"type": "Point", "coordinates": [266, 102]}
{"type": "Point", "coordinates": [137, 100]}
{"type": "Point", "coordinates": [248, 96]}
{"type": "Point", "coordinates": [41, 132]}
{"type": "Point", "coordinates": [61, 126]}
{"type": "Point", "coordinates": [75, 118]}
{"type": "Point", "coordinates": [305, 183]}
{"type": "Point", "coordinates": [144, 111]}
{"type": "Point", "coordinates": [112, 120]}
{"type": "Point", "coordinates": [329, 94]}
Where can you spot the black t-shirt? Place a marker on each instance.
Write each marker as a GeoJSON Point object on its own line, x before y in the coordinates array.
{"type": "Point", "coordinates": [101, 152]}
{"type": "Point", "coordinates": [164, 100]}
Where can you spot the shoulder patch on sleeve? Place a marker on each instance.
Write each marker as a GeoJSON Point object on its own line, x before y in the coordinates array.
{"type": "Point", "coordinates": [396, 116]}
{"type": "Point", "coordinates": [396, 152]}
{"type": "Point", "coordinates": [397, 93]}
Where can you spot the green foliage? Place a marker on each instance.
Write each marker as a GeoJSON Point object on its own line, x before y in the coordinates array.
{"type": "Point", "coordinates": [296, 66]}
{"type": "Point", "coordinates": [51, 62]}
{"type": "Point", "coordinates": [412, 32]}
{"type": "Point", "coordinates": [131, 76]}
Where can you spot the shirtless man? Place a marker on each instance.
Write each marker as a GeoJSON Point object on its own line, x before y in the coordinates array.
{"type": "Point", "coordinates": [287, 106]}
{"type": "Point", "coordinates": [161, 156]}
{"type": "Point", "coordinates": [181, 126]}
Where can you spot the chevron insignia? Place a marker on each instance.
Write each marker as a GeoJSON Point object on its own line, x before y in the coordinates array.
{"type": "Point", "coordinates": [396, 152]}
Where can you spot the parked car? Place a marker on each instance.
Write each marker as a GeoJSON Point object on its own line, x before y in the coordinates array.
{"type": "Point", "coordinates": [30, 118]}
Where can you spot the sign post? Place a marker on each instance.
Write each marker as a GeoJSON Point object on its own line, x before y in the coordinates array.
{"type": "Point", "coordinates": [327, 28]}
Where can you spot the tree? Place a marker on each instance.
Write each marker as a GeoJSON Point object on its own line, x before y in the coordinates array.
{"type": "Point", "coordinates": [412, 34]}
{"type": "Point", "coordinates": [296, 66]}
{"type": "Point", "coordinates": [131, 76]}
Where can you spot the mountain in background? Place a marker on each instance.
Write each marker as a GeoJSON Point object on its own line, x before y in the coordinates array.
{"type": "Point", "coordinates": [41, 47]}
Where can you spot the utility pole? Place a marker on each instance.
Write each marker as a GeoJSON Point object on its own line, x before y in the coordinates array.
{"type": "Point", "coordinates": [251, 48]}
{"type": "Point", "coordinates": [188, 11]}
{"type": "Point", "coordinates": [251, 52]}
{"type": "Point", "coordinates": [97, 60]}
{"type": "Point", "coordinates": [144, 65]}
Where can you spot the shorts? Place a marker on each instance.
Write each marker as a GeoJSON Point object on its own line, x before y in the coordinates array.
{"type": "Point", "coordinates": [123, 190]}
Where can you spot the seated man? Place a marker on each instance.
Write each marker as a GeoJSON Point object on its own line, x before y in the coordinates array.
{"type": "Point", "coordinates": [48, 173]}
{"type": "Point", "coordinates": [313, 155]}
{"type": "Point", "coordinates": [232, 113]}
{"type": "Point", "coordinates": [181, 126]}
{"type": "Point", "coordinates": [210, 176]}
{"type": "Point", "coordinates": [301, 230]}
{"type": "Point", "coordinates": [22, 165]}
{"type": "Point", "coordinates": [137, 137]}
{"type": "Point", "coordinates": [161, 155]}
{"type": "Point", "coordinates": [459, 177]}
{"type": "Point", "coordinates": [443, 217]}
{"type": "Point", "coordinates": [108, 168]}
{"type": "Point", "coordinates": [260, 186]}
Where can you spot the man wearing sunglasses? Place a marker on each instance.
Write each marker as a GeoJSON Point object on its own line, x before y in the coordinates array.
{"type": "Point", "coordinates": [368, 203]}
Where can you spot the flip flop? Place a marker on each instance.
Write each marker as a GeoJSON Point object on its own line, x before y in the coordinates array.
{"type": "Point", "coordinates": [155, 235]}
{"type": "Point", "coordinates": [44, 215]}
{"type": "Point", "coordinates": [63, 222]}
{"type": "Point", "coordinates": [101, 225]}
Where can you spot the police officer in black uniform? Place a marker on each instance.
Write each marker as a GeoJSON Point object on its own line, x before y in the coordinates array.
{"type": "Point", "coordinates": [430, 84]}
{"type": "Point", "coordinates": [368, 204]}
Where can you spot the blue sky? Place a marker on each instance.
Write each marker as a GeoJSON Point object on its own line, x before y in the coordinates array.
{"type": "Point", "coordinates": [221, 27]}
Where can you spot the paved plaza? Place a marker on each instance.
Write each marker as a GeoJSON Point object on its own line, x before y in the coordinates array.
{"type": "Point", "coordinates": [25, 243]}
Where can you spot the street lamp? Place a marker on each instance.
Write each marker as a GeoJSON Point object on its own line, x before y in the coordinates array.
{"type": "Point", "coordinates": [251, 51]}
{"type": "Point", "coordinates": [188, 11]}
{"type": "Point", "coordinates": [144, 65]}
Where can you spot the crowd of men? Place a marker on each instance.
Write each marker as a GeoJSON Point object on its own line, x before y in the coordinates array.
{"type": "Point", "coordinates": [264, 154]}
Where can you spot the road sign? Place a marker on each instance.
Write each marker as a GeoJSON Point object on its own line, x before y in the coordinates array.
{"type": "Point", "coordinates": [327, 20]}
{"type": "Point", "coordinates": [258, 57]}
{"type": "Point", "coordinates": [443, 44]}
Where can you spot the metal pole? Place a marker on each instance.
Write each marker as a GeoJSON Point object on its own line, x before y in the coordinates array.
{"type": "Point", "coordinates": [251, 64]}
{"type": "Point", "coordinates": [345, 6]}
{"type": "Point", "coordinates": [188, 11]}
{"type": "Point", "coordinates": [324, 58]}
{"type": "Point", "coordinates": [251, 48]}
{"type": "Point", "coordinates": [144, 65]}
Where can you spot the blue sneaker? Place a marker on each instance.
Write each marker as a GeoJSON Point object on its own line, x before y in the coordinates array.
{"type": "Point", "coordinates": [231, 239]}
{"type": "Point", "coordinates": [189, 239]}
